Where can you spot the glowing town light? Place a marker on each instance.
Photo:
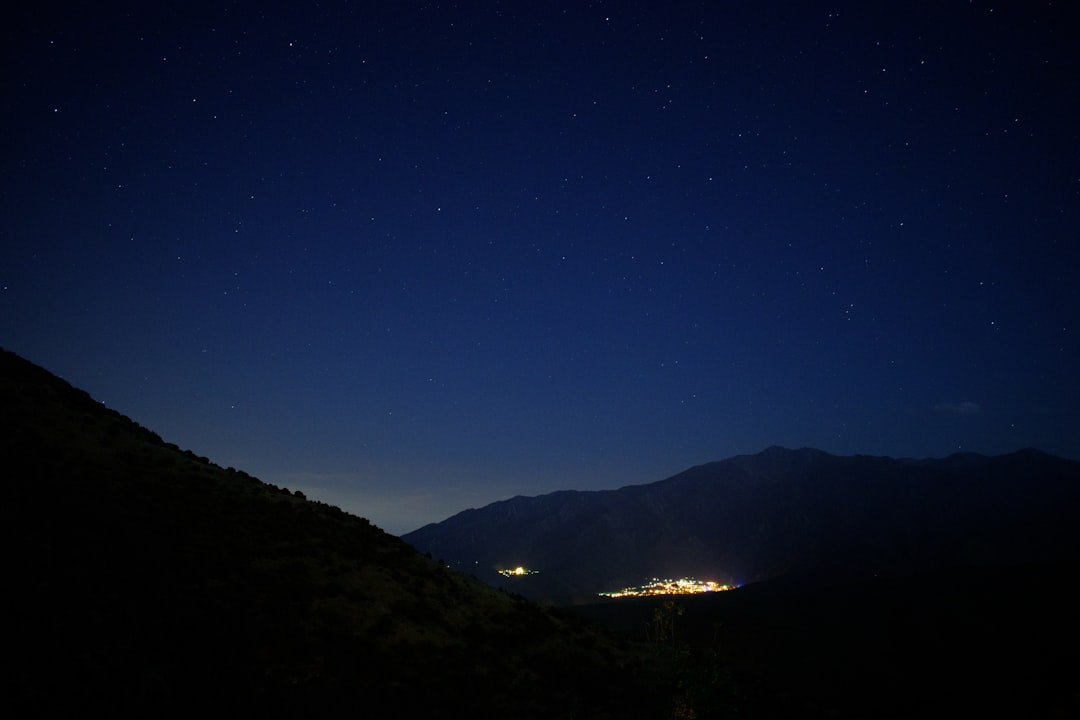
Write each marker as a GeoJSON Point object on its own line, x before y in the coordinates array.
{"type": "Point", "coordinates": [518, 571]}
{"type": "Point", "coordinates": [682, 586]}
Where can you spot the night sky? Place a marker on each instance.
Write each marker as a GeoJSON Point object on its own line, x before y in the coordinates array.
{"type": "Point", "coordinates": [417, 257]}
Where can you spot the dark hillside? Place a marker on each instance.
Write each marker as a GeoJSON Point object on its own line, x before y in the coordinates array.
{"type": "Point", "coordinates": [971, 642]}
{"type": "Point", "coordinates": [142, 577]}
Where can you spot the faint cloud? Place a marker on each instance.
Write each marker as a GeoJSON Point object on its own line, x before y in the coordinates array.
{"type": "Point", "coordinates": [960, 409]}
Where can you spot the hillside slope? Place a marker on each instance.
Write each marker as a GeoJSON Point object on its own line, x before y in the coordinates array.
{"type": "Point", "coordinates": [144, 577]}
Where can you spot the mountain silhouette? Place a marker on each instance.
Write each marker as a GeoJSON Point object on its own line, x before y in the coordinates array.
{"type": "Point", "coordinates": [144, 579]}
{"type": "Point", "coordinates": [777, 513]}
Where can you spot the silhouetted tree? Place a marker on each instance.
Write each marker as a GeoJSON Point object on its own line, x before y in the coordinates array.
{"type": "Point", "coordinates": [664, 621]}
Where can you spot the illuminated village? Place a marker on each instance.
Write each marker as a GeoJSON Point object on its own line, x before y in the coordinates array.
{"type": "Point", "coordinates": [519, 571]}
{"type": "Point", "coordinates": [656, 586]}
{"type": "Point", "coordinates": [682, 586]}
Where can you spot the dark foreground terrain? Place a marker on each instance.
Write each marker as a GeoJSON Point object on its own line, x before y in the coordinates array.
{"type": "Point", "coordinates": [1000, 642]}
{"type": "Point", "coordinates": [144, 580]}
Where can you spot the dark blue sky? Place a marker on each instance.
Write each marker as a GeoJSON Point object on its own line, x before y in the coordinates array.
{"type": "Point", "coordinates": [416, 257]}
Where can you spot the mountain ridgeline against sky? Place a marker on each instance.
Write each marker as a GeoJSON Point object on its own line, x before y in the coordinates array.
{"type": "Point", "coordinates": [146, 579]}
{"type": "Point", "coordinates": [777, 513]}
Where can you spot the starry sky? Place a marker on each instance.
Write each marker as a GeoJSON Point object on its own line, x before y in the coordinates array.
{"type": "Point", "coordinates": [415, 257]}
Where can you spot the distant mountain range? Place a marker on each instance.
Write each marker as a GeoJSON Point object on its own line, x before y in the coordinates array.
{"type": "Point", "coordinates": [779, 512]}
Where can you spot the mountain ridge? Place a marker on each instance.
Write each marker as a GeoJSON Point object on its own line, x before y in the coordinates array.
{"type": "Point", "coordinates": [754, 517]}
{"type": "Point", "coordinates": [144, 577]}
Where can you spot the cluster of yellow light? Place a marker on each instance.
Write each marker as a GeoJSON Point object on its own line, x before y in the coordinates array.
{"type": "Point", "coordinates": [518, 571]}
{"type": "Point", "coordinates": [682, 586]}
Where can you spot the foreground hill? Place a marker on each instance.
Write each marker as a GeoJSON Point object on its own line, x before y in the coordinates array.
{"type": "Point", "coordinates": [780, 512]}
{"type": "Point", "coordinates": [1001, 641]}
{"type": "Point", "coordinates": [143, 578]}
